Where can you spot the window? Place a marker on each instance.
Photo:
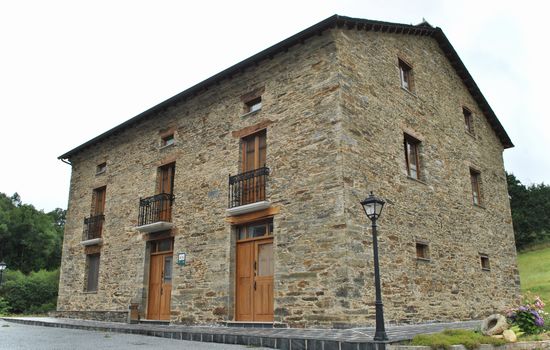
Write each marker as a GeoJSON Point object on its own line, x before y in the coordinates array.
{"type": "Point", "coordinates": [468, 120]}
{"type": "Point", "coordinates": [412, 157]}
{"type": "Point", "coordinates": [165, 180]}
{"type": "Point", "coordinates": [167, 140]}
{"type": "Point", "coordinates": [164, 245]}
{"type": "Point", "coordinates": [422, 251]}
{"type": "Point", "coordinates": [92, 272]}
{"type": "Point", "coordinates": [405, 72]}
{"type": "Point", "coordinates": [475, 179]}
{"type": "Point", "coordinates": [255, 230]}
{"type": "Point", "coordinates": [254, 151]}
{"type": "Point", "coordinates": [101, 168]}
{"type": "Point", "coordinates": [98, 201]}
{"type": "Point", "coordinates": [253, 105]}
{"type": "Point", "coordinates": [485, 265]}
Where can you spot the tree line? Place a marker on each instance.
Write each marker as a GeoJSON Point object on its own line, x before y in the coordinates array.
{"type": "Point", "coordinates": [530, 212]}
{"type": "Point", "coordinates": [30, 245]}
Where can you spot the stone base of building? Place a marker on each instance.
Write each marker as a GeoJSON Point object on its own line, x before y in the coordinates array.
{"type": "Point", "coordinates": [107, 316]}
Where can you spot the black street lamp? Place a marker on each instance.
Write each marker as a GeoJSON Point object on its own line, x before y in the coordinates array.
{"type": "Point", "coordinates": [373, 207]}
{"type": "Point", "coordinates": [2, 268]}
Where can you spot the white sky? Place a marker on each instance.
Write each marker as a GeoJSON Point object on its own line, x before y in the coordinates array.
{"type": "Point", "coordinates": [70, 70]}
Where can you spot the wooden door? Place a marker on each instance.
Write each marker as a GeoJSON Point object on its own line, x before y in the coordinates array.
{"type": "Point", "coordinates": [253, 157]}
{"type": "Point", "coordinates": [254, 281]}
{"type": "Point", "coordinates": [160, 281]}
{"type": "Point", "coordinates": [166, 186]}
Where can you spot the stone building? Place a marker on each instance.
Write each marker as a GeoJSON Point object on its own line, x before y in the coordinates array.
{"type": "Point", "coordinates": [238, 199]}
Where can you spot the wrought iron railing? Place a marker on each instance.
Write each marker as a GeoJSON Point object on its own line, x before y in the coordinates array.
{"type": "Point", "coordinates": [155, 208]}
{"type": "Point", "coordinates": [247, 187]}
{"type": "Point", "coordinates": [93, 227]}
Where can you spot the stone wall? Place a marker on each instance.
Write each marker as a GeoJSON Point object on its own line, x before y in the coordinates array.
{"type": "Point", "coordinates": [336, 118]}
{"type": "Point", "coordinates": [437, 210]}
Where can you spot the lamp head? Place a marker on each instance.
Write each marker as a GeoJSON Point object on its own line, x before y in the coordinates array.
{"type": "Point", "coordinates": [372, 206]}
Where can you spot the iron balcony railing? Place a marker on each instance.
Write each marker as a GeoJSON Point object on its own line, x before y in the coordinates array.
{"type": "Point", "coordinates": [93, 227]}
{"type": "Point", "coordinates": [155, 208]}
{"type": "Point", "coordinates": [247, 187]}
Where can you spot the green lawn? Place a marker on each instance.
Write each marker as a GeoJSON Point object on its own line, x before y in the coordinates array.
{"type": "Point", "coordinates": [534, 271]}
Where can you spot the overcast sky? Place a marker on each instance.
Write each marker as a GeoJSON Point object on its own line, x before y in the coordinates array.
{"type": "Point", "coordinates": [70, 70]}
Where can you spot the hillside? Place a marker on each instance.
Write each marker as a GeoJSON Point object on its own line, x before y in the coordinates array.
{"type": "Point", "coordinates": [534, 270]}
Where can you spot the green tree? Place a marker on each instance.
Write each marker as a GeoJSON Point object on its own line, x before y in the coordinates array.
{"type": "Point", "coordinates": [30, 240]}
{"type": "Point", "coordinates": [530, 212]}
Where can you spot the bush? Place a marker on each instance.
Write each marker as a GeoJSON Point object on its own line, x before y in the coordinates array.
{"type": "Point", "coordinates": [32, 293]}
{"type": "Point", "coordinates": [4, 307]}
{"type": "Point", "coordinates": [529, 317]}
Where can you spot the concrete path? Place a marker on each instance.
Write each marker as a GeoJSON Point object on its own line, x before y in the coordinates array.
{"type": "Point", "coordinates": [279, 338]}
{"type": "Point", "coordinates": [15, 336]}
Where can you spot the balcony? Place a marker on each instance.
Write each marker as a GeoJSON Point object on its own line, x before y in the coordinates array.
{"type": "Point", "coordinates": [155, 213]}
{"type": "Point", "coordinates": [247, 192]}
{"type": "Point", "coordinates": [92, 230]}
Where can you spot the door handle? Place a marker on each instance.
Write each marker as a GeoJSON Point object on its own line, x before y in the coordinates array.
{"type": "Point", "coordinates": [254, 285]}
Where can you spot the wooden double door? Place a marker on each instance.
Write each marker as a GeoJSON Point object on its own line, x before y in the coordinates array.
{"type": "Point", "coordinates": [254, 280]}
{"type": "Point", "coordinates": [160, 280]}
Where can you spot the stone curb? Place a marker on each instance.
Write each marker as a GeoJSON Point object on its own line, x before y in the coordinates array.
{"type": "Point", "coordinates": [203, 335]}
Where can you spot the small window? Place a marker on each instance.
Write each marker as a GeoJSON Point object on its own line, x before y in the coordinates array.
{"type": "Point", "coordinates": [167, 140]}
{"type": "Point", "coordinates": [254, 105]}
{"type": "Point", "coordinates": [101, 168]}
{"type": "Point", "coordinates": [485, 265]}
{"type": "Point", "coordinates": [405, 72]}
{"type": "Point", "coordinates": [475, 179]}
{"type": "Point", "coordinates": [468, 120]}
{"type": "Point", "coordinates": [255, 230]}
{"type": "Point", "coordinates": [412, 156]}
{"type": "Point", "coordinates": [422, 251]}
{"type": "Point", "coordinates": [92, 272]}
{"type": "Point", "coordinates": [165, 245]}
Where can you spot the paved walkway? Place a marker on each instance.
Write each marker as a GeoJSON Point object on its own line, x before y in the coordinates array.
{"type": "Point", "coordinates": [278, 338]}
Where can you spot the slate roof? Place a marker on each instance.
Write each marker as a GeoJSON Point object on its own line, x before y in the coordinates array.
{"type": "Point", "coordinates": [335, 21]}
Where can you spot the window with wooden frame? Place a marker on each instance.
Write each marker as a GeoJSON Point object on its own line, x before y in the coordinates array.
{"type": "Point", "coordinates": [92, 272]}
{"type": "Point", "coordinates": [412, 156]}
{"type": "Point", "coordinates": [406, 75]}
{"type": "Point", "coordinates": [475, 180]}
{"type": "Point", "coordinates": [484, 260]}
{"type": "Point", "coordinates": [98, 201]}
{"type": "Point", "coordinates": [165, 180]}
{"type": "Point", "coordinates": [162, 245]}
{"type": "Point", "coordinates": [253, 105]}
{"type": "Point", "coordinates": [254, 151]}
{"type": "Point", "coordinates": [255, 230]}
{"type": "Point", "coordinates": [422, 251]}
{"type": "Point", "coordinates": [165, 191]}
{"type": "Point", "coordinates": [101, 168]}
{"type": "Point", "coordinates": [167, 140]}
{"type": "Point", "coordinates": [468, 120]}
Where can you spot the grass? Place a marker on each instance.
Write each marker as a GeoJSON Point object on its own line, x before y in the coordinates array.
{"type": "Point", "coordinates": [535, 273]}
{"type": "Point", "coordinates": [445, 339]}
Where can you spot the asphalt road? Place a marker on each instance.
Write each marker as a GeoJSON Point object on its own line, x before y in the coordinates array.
{"type": "Point", "coordinates": [14, 336]}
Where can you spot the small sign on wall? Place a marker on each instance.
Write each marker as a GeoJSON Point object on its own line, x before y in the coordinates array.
{"type": "Point", "coordinates": [181, 259]}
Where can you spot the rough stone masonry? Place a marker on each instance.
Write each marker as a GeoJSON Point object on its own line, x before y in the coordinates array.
{"type": "Point", "coordinates": [335, 117]}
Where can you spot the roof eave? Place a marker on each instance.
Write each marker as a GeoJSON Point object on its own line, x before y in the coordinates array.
{"type": "Point", "coordinates": [317, 29]}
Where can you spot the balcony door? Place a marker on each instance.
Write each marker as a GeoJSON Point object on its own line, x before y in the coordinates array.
{"type": "Point", "coordinates": [254, 273]}
{"type": "Point", "coordinates": [253, 157]}
{"type": "Point", "coordinates": [160, 280]}
{"type": "Point", "coordinates": [165, 185]}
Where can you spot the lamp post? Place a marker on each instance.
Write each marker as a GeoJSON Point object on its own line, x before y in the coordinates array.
{"type": "Point", "coordinates": [2, 268]}
{"type": "Point", "coordinates": [373, 207]}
